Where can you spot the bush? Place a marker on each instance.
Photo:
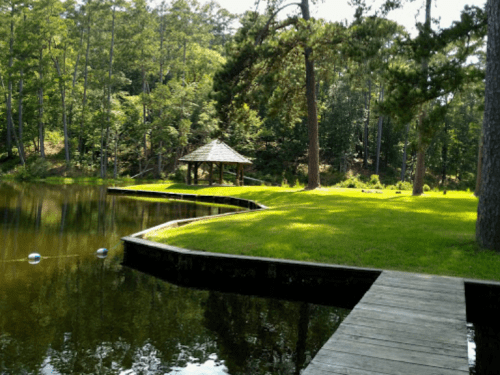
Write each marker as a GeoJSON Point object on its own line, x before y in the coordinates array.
{"type": "Point", "coordinates": [375, 182]}
{"type": "Point", "coordinates": [352, 182]}
{"type": "Point", "coordinates": [427, 187]}
{"type": "Point", "coordinates": [404, 185]}
{"type": "Point", "coordinates": [179, 175]}
{"type": "Point", "coordinates": [33, 170]}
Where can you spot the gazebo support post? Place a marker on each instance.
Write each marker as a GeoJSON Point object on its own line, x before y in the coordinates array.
{"type": "Point", "coordinates": [196, 172]}
{"type": "Point", "coordinates": [189, 174]}
{"type": "Point", "coordinates": [238, 173]}
{"type": "Point", "coordinates": [221, 172]}
{"type": "Point", "coordinates": [210, 177]}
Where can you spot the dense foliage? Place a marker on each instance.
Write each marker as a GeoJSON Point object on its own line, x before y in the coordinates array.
{"type": "Point", "coordinates": [115, 88]}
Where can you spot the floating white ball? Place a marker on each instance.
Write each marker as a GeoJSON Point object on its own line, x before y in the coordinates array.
{"type": "Point", "coordinates": [101, 253]}
{"type": "Point", "coordinates": [34, 258]}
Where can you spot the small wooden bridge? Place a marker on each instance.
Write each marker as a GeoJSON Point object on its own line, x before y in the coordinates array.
{"type": "Point", "coordinates": [407, 324]}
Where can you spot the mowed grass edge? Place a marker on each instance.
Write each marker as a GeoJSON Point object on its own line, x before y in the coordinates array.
{"type": "Point", "coordinates": [432, 234]}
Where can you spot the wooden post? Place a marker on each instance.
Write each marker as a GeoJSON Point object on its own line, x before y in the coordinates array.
{"type": "Point", "coordinates": [238, 173]}
{"type": "Point", "coordinates": [242, 175]}
{"type": "Point", "coordinates": [210, 178]}
{"type": "Point", "coordinates": [189, 173]}
{"type": "Point", "coordinates": [196, 172]}
{"type": "Point", "coordinates": [221, 172]}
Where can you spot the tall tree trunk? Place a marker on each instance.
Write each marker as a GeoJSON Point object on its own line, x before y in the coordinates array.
{"type": "Point", "coordinates": [110, 87]}
{"type": "Point", "coordinates": [10, 124]}
{"type": "Point", "coordinates": [162, 34]}
{"type": "Point", "coordinates": [477, 191]}
{"type": "Point", "coordinates": [379, 131]}
{"type": "Point", "coordinates": [159, 159]}
{"type": "Point", "coordinates": [184, 65]}
{"type": "Point", "coordinates": [115, 161]}
{"type": "Point", "coordinates": [73, 85]}
{"type": "Point", "coordinates": [144, 111]}
{"type": "Point", "coordinates": [85, 83]}
{"type": "Point", "coordinates": [312, 116]}
{"type": "Point", "coordinates": [444, 154]}
{"type": "Point", "coordinates": [62, 88]}
{"type": "Point", "coordinates": [162, 37]}
{"type": "Point", "coordinates": [488, 211]}
{"type": "Point", "coordinates": [101, 152]}
{"type": "Point", "coordinates": [403, 167]}
{"type": "Point", "coordinates": [20, 110]}
{"type": "Point", "coordinates": [418, 183]}
{"type": "Point", "coordinates": [368, 98]}
{"type": "Point", "coordinates": [41, 130]}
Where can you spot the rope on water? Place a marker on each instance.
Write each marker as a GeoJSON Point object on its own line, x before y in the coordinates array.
{"type": "Point", "coordinates": [101, 253]}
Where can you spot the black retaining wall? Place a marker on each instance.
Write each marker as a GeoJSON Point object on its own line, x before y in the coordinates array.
{"type": "Point", "coordinates": [482, 300]}
{"type": "Point", "coordinates": [293, 280]}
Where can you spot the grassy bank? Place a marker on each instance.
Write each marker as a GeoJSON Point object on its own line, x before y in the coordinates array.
{"type": "Point", "coordinates": [429, 234]}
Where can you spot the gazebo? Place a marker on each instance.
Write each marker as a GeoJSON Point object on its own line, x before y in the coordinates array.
{"type": "Point", "coordinates": [215, 152]}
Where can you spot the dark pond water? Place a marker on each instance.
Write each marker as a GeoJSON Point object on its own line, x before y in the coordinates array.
{"type": "Point", "coordinates": [484, 348]}
{"type": "Point", "coordinates": [74, 313]}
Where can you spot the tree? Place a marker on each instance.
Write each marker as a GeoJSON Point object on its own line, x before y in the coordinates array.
{"type": "Point", "coordinates": [436, 67]}
{"type": "Point", "coordinates": [245, 61]}
{"type": "Point", "coordinates": [488, 212]}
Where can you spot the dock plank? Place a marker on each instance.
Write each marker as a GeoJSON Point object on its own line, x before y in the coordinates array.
{"type": "Point", "coordinates": [399, 340]}
{"type": "Point", "coordinates": [385, 366]}
{"type": "Point", "coordinates": [443, 308]}
{"type": "Point", "coordinates": [405, 324]}
{"type": "Point", "coordinates": [397, 354]}
{"type": "Point", "coordinates": [436, 333]}
{"type": "Point", "coordinates": [422, 294]}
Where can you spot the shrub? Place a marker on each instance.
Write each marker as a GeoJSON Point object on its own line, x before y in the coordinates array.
{"type": "Point", "coordinates": [374, 179]}
{"type": "Point", "coordinates": [36, 169]}
{"type": "Point", "coordinates": [404, 185]}
{"type": "Point", "coordinates": [375, 182]}
{"type": "Point", "coordinates": [427, 187]}
{"type": "Point", "coordinates": [352, 182]}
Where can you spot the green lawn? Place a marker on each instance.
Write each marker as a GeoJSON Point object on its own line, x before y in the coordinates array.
{"type": "Point", "coordinates": [429, 234]}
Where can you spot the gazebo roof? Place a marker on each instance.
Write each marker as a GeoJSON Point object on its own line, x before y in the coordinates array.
{"type": "Point", "coordinates": [215, 151]}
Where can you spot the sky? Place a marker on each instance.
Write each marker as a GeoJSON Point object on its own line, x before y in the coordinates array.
{"type": "Point", "coordinates": [338, 10]}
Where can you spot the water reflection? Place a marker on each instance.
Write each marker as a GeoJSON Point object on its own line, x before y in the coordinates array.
{"type": "Point", "coordinates": [56, 220]}
{"type": "Point", "coordinates": [75, 313]}
{"type": "Point", "coordinates": [94, 316]}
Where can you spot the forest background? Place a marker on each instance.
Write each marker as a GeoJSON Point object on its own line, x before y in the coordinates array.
{"type": "Point", "coordinates": [117, 88]}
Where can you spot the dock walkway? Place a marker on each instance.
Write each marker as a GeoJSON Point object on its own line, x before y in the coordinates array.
{"type": "Point", "coordinates": [408, 324]}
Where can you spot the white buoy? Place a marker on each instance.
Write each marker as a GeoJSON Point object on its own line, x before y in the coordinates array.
{"type": "Point", "coordinates": [101, 253]}
{"type": "Point", "coordinates": [34, 258]}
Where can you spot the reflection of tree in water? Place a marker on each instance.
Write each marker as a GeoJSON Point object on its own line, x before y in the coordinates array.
{"type": "Point", "coordinates": [257, 336]}
{"type": "Point", "coordinates": [86, 209]}
{"type": "Point", "coordinates": [93, 318]}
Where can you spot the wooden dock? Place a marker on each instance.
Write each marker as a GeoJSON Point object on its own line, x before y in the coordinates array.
{"type": "Point", "coordinates": [407, 324]}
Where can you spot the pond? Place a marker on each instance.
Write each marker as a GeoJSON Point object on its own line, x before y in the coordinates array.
{"type": "Point", "coordinates": [74, 312]}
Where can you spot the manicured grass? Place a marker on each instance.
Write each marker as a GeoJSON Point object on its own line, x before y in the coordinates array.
{"type": "Point", "coordinates": [432, 234]}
